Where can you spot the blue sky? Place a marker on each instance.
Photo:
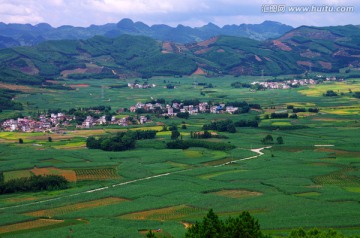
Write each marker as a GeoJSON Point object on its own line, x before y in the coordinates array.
{"type": "Point", "coordinates": [173, 12]}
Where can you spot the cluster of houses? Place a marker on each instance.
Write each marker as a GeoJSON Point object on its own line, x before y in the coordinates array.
{"type": "Point", "coordinates": [293, 83]}
{"type": "Point", "coordinates": [124, 121]}
{"type": "Point", "coordinates": [285, 84]}
{"type": "Point", "coordinates": [55, 122]}
{"type": "Point", "coordinates": [138, 85]}
{"type": "Point", "coordinates": [44, 123]}
{"type": "Point", "coordinates": [174, 108]}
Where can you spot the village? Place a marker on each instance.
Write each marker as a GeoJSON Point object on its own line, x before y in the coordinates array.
{"type": "Point", "coordinates": [55, 122]}
{"type": "Point", "coordinates": [292, 83]}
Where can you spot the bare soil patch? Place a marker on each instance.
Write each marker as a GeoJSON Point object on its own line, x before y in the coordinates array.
{"type": "Point", "coordinates": [79, 85]}
{"type": "Point", "coordinates": [21, 88]}
{"type": "Point", "coordinates": [304, 63]}
{"type": "Point", "coordinates": [281, 45]}
{"type": "Point", "coordinates": [75, 207]}
{"type": "Point", "coordinates": [237, 193]}
{"type": "Point", "coordinates": [258, 58]}
{"type": "Point", "coordinates": [208, 42]}
{"type": "Point", "coordinates": [199, 71]}
{"type": "Point", "coordinates": [29, 225]}
{"type": "Point", "coordinates": [325, 65]}
{"type": "Point", "coordinates": [69, 175]}
{"type": "Point", "coordinates": [341, 153]}
{"type": "Point", "coordinates": [164, 214]}
{"type": "Point", "coordinates": [167, 47]}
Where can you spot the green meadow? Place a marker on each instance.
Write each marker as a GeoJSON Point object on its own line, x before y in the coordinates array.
{"type": "Point", "coordinates": [312, 180]}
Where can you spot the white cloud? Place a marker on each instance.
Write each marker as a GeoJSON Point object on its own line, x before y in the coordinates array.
{"type": "Point", "coordinates": [142, 6]}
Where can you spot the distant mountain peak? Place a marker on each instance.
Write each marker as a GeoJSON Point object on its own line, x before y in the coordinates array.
{"type": "Point", "coordinates": [179, 34]}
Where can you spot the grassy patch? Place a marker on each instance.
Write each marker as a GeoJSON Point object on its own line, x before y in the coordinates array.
{"type": "Point", "coordinates": [16, 174]}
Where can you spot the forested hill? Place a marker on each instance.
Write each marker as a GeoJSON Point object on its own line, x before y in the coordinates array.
{"type": "Point", "coordinates": [326, 49]}
{"type": "Point", "coordinates": [29, 35]}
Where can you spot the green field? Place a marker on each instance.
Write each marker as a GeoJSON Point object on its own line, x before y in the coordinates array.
{"type": "Point", "coordinates": [312, 180]}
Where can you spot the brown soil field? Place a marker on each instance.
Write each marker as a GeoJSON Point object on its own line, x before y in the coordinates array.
{"type": "Point", "coordinates": [96, 174]}
{"type": "Point", "coordinates": [29, 225]}
{"type": "Point", "coordinates": [21, 88]}
{"type": "Point", "coordinates": [199, 71]}
{"type": "Point", "coordinates": [79, 85]}
{"type": "Point", "coordinates": [75, 207]}
{"type": "Point", "coordinates": [167, 48]}
{"type": "Point", "coordinates": [19, 199]}
{"type": "Point", "coordinates": [281, 45]}
{"type": "Point", "coordinates": [258, 58]}
{"type": "Point", "coordinates": [65, 73]}
{"type": "Point", "coordinates": [340, 153]}
{"type": "Point", "coordinates": [237, 193]}
{"type": "Point", "coordinates": [208, 42]}
{"type": "Point", "coordinates": [69, 175]}
{"type": "Point", "coordinates": [202, 51]}
{"type": "Point", "coordinates": [164, 214]}
{"type": "Point", "coordinates": [304, 63]}
{"type": "Point", "coordinates": [310, 54]}
{"type": "Point", "coordinates": [186, 225]}
{"type": "Point", "coordinates": [326, 65]}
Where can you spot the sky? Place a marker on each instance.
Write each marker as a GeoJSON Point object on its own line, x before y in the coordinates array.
{"type": "Point", "coordinates": [192, 13]}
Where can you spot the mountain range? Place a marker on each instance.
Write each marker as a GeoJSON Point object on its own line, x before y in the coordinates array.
{"type": "Point", "coordinates": [29, 35]}
{"type": "Point", "coordinates": [320, 49]}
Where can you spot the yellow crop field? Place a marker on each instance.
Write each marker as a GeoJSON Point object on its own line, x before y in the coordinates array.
{"type": "Point", "coordinates": [29, 225]}
{"type": "Point", "coordinates": [301, 104]}
{"type": "Point", "coordinates": [319, 90]}
{"type": "Point", "coordinates": [17, 135]}
{"type": "Point", "coordinates": [147, 128]}
{"type": "Point", "coordinates": [164, 133]}
{"type": "Point", "coordinates": [342, 110]}
{"type": "Point", "coordinates": [192, 153]}
{"type": "Point", "coordinates": [353, 189]}
{"type": "Point", "coordinates": [281, 123]}
{"type": "Point", "coordinates": [71, 145]}
{"type": "Point", "coordinates": [75, 207]}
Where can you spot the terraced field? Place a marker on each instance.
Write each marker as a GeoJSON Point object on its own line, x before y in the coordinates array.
{"type": "Point", "coordinates": [155, 188]}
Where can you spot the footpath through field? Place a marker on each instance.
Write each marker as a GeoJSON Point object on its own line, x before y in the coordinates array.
{"type": "Point", "coordinates": [258, 151]}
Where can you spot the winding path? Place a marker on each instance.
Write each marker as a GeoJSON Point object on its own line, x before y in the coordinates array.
{"type": "Point", "coordinates": [258, 151]}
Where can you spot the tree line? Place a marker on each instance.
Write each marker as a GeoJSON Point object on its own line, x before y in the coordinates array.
{"type": "Point", "coordinates": [229, 125]}
{"type": "Point", "coordinates": [120, 141]}
{"type": "Point", "coordinates": [33, 184]}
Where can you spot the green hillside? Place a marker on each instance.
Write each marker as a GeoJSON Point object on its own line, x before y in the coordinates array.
{"type": "Point", "coordinates": [326, 49]}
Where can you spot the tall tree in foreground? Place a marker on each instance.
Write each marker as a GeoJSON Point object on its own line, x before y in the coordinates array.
{"type": "Point", "coordinates": [244, 226]}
